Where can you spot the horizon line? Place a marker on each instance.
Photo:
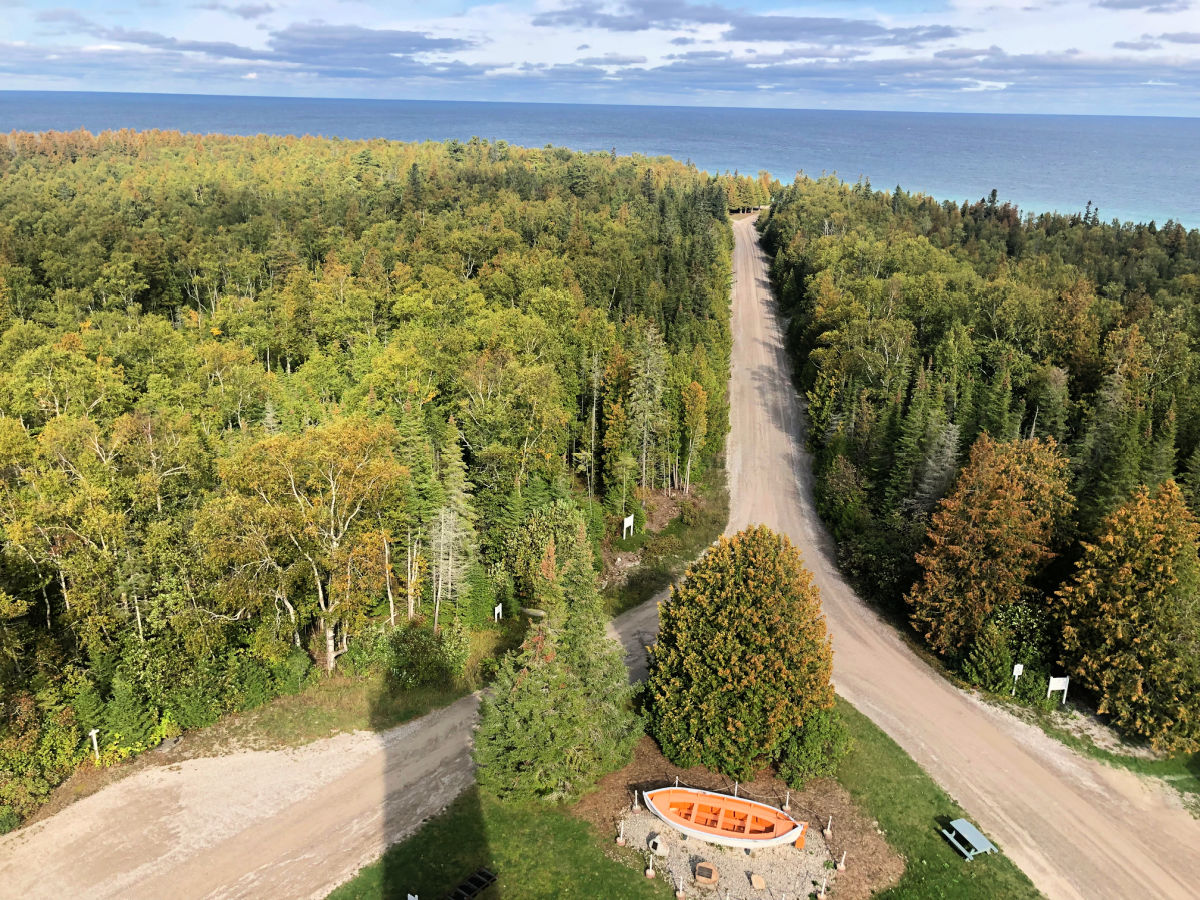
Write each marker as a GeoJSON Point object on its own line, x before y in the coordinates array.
{"type": "Point", "coordinates": [576, 103]}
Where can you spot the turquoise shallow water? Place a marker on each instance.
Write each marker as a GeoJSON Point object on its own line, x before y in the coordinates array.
{"type": "Point", "coordinates": [1134, 169]}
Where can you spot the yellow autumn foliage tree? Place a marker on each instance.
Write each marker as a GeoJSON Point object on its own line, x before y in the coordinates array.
{"type": "Point", "coordinates": [988, 538]}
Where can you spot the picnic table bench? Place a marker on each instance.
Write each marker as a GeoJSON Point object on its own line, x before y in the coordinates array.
{"type": "Point", "coordinates": [967, 839]}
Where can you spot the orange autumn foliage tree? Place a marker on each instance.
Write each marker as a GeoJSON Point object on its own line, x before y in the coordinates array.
{"type": "Point", "coordinates": [1132, 614]}
{"type": "Point", "coordinates": [989, 537]}
{"type": "Point", "coordinates": [743, 658]}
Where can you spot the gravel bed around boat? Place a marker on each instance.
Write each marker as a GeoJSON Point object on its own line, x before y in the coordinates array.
{"type": "Point", "coordinates": [786, 871]}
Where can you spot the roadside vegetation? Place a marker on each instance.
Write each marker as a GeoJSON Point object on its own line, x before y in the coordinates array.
{"type": "Point", "coordinates": [743, 640]}
{"type": "Point", "coordinates": [280, 409]}
{"type": "Point", "coordinates": [1005, 412]}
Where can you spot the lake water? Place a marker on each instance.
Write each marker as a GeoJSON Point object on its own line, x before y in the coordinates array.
{"type": "Point", "coordinates": [1133, 168]}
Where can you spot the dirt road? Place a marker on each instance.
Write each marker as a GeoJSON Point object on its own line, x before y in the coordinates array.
{"type": "Point", "coordinates": [279, 824]}
{"type": "Point", "coordinates": [290, 824]}
{"type": "Point", "coordinates": [1079, 829]}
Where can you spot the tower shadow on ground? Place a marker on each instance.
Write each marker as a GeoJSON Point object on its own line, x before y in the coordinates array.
{"type": "Point", "coordinates": [440, 857]}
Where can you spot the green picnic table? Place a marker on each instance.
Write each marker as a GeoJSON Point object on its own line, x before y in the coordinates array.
{"type": "Point", "coordinates": [968, 839]}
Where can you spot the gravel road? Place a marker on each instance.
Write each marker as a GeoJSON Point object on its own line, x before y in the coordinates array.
{"type": "Point", "coordinates": [297, 823]}
{"type": "Point", "coordinates": [279, 824]}
{"type": "Point", "coordinates": [1078, 828]}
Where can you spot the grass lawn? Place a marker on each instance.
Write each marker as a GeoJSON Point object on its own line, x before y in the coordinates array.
{"type": "Point", "coordinates": [536, 851]}
{"type": "Point", "coordinates": [911, 809]}
{"type": "Point", "coordinates": [669, 552]}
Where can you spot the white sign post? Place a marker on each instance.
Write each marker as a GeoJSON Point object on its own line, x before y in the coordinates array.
{"type": "Point", "coordinates": [1017, 670]}
{"type": "Point", "coordinates": [95, 744]}
{"type": "Point", "coordinates": [497, 612]}
{"type": "Point", "coordinates": [627, 527]}
{"type": "Point", "coordinates": [1058, 684]}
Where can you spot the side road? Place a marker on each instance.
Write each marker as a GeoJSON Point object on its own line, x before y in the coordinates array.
{"type": "Point", "coordinates": [283, 824]}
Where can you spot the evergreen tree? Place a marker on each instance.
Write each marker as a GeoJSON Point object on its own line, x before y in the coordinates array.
{"type": "Point", "coordinates": [742, 659]}
{"type": "Point", "coordinates": [127, 716]}
{"type": "Point", "coordinates": [1131, 617]}
{"type": "Point", "coordinates": [989, 537]}
{"type": "Point", "coordinates": [990, 664]}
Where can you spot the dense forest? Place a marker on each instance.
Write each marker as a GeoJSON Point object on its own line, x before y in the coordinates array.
{"type": "Point", "coordinates": [270, 404]}
{"type": "Point", "coordinates": [1006, 414]}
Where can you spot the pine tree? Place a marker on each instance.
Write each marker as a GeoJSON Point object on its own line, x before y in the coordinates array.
{"type": "Point", "coordinates": [1131, 619]}
{"type": "Point", "coordinates": [988, 538]}
{"type": "Point", "coordinates": [990, 664]}
{"type": "Point", "coordinates": [742, 659]}
{"type": "Point", "coordinates": [907, 452]}
{"type": "Point", "coordinates": [939, 466]}
{"type": "Point", "coordinates": [127, 714]}
{"type": "Point", "coordinates": [559, 716]}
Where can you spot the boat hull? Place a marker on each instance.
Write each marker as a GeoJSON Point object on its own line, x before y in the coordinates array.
{"type": "Point", "coordinates": [722, 819]}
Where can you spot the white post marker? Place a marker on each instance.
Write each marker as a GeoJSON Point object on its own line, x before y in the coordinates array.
{"type": "Point", "coordinates": [95, 745]}
{"type": "Point", "coordinates": [413, 897]}
{"type": "Point", "coordinates": [627, 527]}
{"type": "Point", "coordinates": [1058, 684]}
{"type": "Point", "coordinates": [498, 612]}
{"type": "Point", "coordinates": [1017, 670]}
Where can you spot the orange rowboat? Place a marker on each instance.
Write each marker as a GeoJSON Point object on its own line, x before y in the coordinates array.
{"type": "Point", "coordinates": [721, 819]}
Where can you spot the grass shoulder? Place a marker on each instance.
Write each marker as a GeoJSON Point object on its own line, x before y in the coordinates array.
{"type": "Point", "coordinates": [663, 555]}
{"type": "Point", "coordinates": [536, 851]}
{"type": "Point", "coordinates": [911, 810]}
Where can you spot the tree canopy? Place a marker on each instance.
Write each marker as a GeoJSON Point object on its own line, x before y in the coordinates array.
{"type": "Point", "coordinates": [1131, 618]}
{"type": "Point", "coordinates": [930, 335]}
{"type": "Point", "coordinates": [266, 398]}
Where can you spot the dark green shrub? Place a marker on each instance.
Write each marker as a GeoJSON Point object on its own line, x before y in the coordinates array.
{"type": "Point", "coordinates": [291, 671]}
{"type": "Point", "coordinates": [255, 684]}
{"type": "Point", "coordinates": [989, 665]}
{"type": "Point", "coordinates": [9, 820]}
{"type": "Point", "coordinates": [815, 748]}
{"type": "Point", "coordinates": [420, 657]}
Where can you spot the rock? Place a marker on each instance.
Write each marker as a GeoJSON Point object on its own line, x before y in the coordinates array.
{"type": "Point", "coordinates": [706, 873]}
{"type": "Point", "coordinates": [757, 882]}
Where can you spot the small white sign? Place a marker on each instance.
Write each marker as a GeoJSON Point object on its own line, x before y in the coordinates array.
{"type": "Point", "coordinates": [497, 612]}
{"type": "Point", "coordinates": [1058, 684]}
{"type": "Point", "coordinates": [627, 527]}
{"type": "Point", "coordinates": [1018, 669]}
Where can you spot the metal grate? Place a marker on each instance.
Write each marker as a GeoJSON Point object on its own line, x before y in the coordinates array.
{"type": "Point", "coordinates": [473, 886]}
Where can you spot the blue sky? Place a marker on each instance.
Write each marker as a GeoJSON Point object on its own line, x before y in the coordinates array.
{"type": "Point", "coordinates": [1135, 57]}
